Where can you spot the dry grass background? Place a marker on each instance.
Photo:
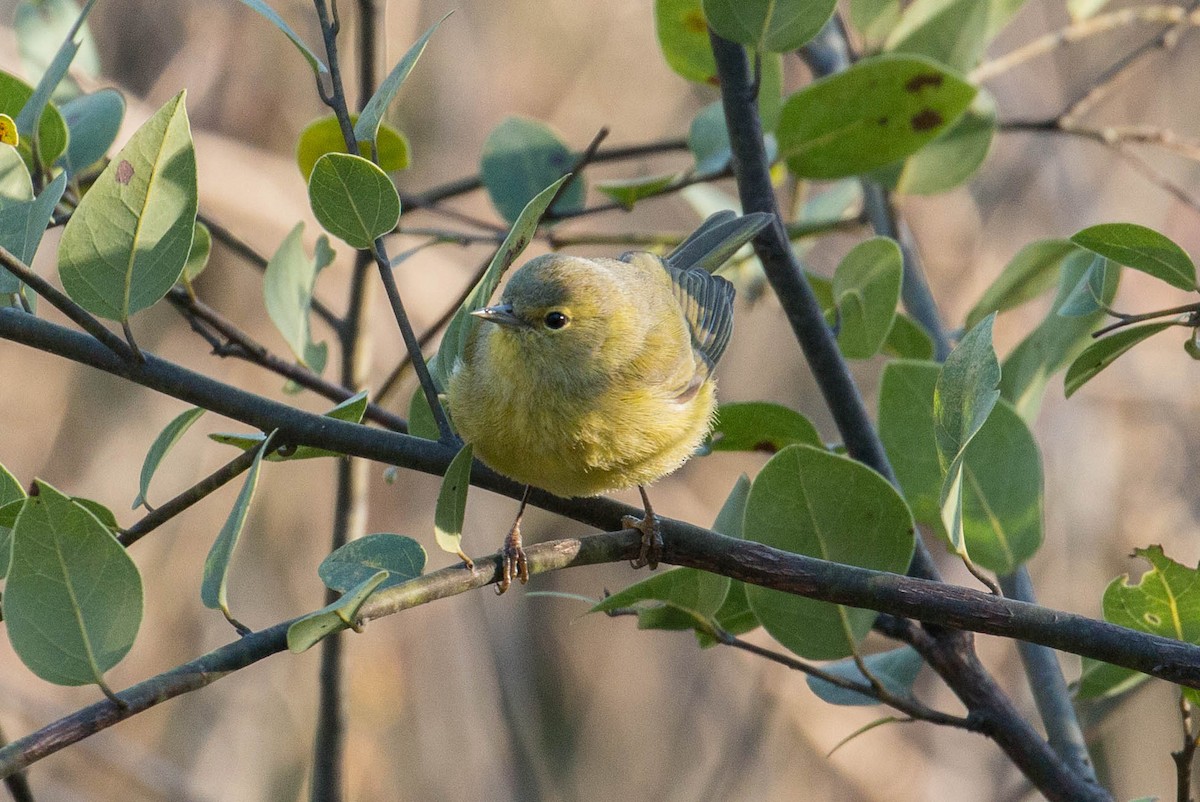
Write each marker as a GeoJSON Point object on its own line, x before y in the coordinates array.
{"type": "Point", "coordinates": [479, 697]}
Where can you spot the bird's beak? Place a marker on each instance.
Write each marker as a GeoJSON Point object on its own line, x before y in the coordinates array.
{"type": "Point", "coordinates": [502, 314]}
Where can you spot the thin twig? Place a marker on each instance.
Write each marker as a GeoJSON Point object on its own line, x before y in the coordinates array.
{"type": "Point", "coordinates": [1186, 755]}
{"type": "Point", "coordinates": [1126, 320]}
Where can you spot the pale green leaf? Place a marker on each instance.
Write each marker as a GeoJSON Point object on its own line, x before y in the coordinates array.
{"type": "Point", "coordinates": [628, 191]}
{"type": "Point", "coordinates": [353, 199]}
{"type": "Point", "coordinates": [73, 597]}
{"type": "Point", "coordinates": [1086, 298]}
{"type": "Point", "coordinates": [269, 13]}
{"type": "Point", "coordinates": [51, 78]}
{"type": "Point", "coordinates": [213, 590]}
{"type": "Point", "coordinates": [288, 284]}
{"type": "Point", "coordinates": [1082, 9]}
{"type": "Point", "coordinates": [22, 224]}
{"type": "Point", "coordinates": [874, 19]}
{"type": "Point", "coordinates": [351, 410]}
{"type": "Point", "coordinates": [401, 557]}
{"type": "Point", "coordinates": [952, 32]}
{"type": "Point", "coordinates": [162, 444]}
{"type": "Point", "coordinates": [896, 671]}
{"type": "Point", "coordinates": [966, 392]}
{"type": "Point", "coordinates": [311, 629]}
{"type": "Point", "coordinates": [520, 158]}
{"type": "Point", "coordinates": [866, 289]}
{"type": "Point", "coordinates": [1027, 275]}
{"type": "Point", "coordinates": [907, 340]}
{"type": "Point", "coordinates": [128, 240]}
{"type": "Point", "coordinates": [1104, 352]}
{"type": "Point", "coordinates": [198, 254]}
{"type": "Point", "coordinates": [808, 501]}
{"type": "Point", "coordinates": [372, 113]}
{"type": "Point", "coordinates": [15, 183]}
{"type": "Point", "coordinates": [775, 26]}
{"type": "Point", "coordinates": [877, 112]}
{"type": "Point", "coordinates": [12, 496]}
{"type": "Point", "coordinates": [1100, 680]}
{"type": "Point", "coordinates": [41, 26]}
{"type": "Point", "coordinates": [94, 121]}
{"type": "Point", "coordinates": [1142, 249]}
{"type": "Point", "coordinates": [451, 506]}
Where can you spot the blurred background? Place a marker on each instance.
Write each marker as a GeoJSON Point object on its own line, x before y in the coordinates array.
{"type": "Point", "coordinates": [479, 697]}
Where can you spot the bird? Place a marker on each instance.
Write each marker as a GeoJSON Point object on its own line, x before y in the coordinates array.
{"type": "Point", "coordinates": [593, 375]}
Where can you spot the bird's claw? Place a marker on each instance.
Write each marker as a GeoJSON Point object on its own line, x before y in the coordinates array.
{"type": "Point", "coordinates": [514, 564]}
{"type": "Point", "coordinates": [652, 542]}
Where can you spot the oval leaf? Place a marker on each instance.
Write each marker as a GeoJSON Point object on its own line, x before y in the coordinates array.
{"type": "Point", "coordinates": [167, 438]}
{"type": "Point", "coordinates": [761, 426]}
{"type": "Point", "coordinates": [353, 199]}
{"type": "Point", "coordinates": [808, 501]}
{"type": "Point", "coordinates": [1165, 601]}
{"type": "Point", "coordinates": [94, 121]}
{"type": "Point", "coordinates": [73, 597]}
{"type": "Point", "coordinates": [324, 135]}
{"type": "Point", "coordinates": [683, 39]}
{"type": "Point", "coordinates": [896, 671]}
{"type": "Point", "coordinates": [1103, 353]}
{"type": "Point", "coordinates": [866, 289]}
{"type": "Point", "coordinates": [1142, 249]}
{"type": "Point", "coordinates": [522, 156]}
{"type": "Point", "coordinates": [452, 503]}
{"type": "Point", "coordinates": [774, 26]}
{"type": "Point", "coordinates": [198, 254]}
{"type": "Point", "coordinates": [130, 236]}
{"type": "Point", "coordinates": [877, 112]}
{"type": "Point", "coordinates": [401, 557]}
{"type": "Point", "coordinates": [288, 285]}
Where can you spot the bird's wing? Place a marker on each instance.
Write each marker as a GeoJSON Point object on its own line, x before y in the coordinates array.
{"type": "Point", "coordinates": [707, 304]}
{"type": "Point", "coordinates": [718, 238]}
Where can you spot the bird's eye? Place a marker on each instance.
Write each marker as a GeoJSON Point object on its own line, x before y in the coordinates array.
{"type": "Point", "coordinates": [556, 320]}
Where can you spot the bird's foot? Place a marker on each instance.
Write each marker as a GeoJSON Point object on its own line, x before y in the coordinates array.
{"type": "Point", "coordinates": [652, 542]}
{"type": "Point", "coordinates": [514, 564]}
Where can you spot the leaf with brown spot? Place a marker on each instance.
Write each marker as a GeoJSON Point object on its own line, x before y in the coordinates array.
{"type": "Point", "coordinates": [124, 172]}
{"type": "Point", "coordinates": [926, 120]}
{"type": "Point", "coordinates": [919, 82]}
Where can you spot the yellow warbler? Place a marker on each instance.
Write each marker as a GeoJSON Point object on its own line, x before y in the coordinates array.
{"type": "Point", "coordinates": [594, 375]}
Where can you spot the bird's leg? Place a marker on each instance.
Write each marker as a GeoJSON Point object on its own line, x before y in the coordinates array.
{"type": "Point", "coordinates": [515, 565]}
{"type": "Point", "coordinates": [652, 542]}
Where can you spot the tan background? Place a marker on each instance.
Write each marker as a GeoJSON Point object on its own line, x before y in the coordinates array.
{"type": "Point", "coordinates": [520, 698]}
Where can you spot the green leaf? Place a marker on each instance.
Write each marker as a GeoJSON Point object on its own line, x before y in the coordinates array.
{"type": "Point", "coordinates": [22, 224]}
{"type": "Point", "coordinates": [907, 340]}
{"type": "Point", "coordinates": [520, 157]}
{"type": "Point", "coordinates": [420, 417]}
{"type": "Point", "coordinates": [628, 191]}
{"type": "Point", "coordinates": [683, 37]}
{"type": "Point", "coordinates": [15, 184]}
{"type": "Point", "coordinates": [1054, 343]}
{"type": "Point", "coordinates": [353, 199]}
{"type": "Point", "coordinates": [368, 124]}
{"type": "Point", "coordinates": [1086, 297]}
{"type": "Point", "coordinates": [51, 78]}
{"type": "Point", "coordinates": [1142, 249]}
{"type": "Point", "coordinates": [454, 341]}
{"type": "Point", "coordinates": [683, 597]}
{"type": "Point", "coordinates": [288, 285]}
{"type": "Point", "coordinates": [708, 140]}
{"type": "Point", "coordinates": [866, 286]}
{"type": "Point", "coordinates": [73, 597]}
{"type": "Point", "coordinates": [896, 670]}
{"type": "Point", "coordinates": [311, 629]}
{"type": "Point", "coordinates": [41, 26]}
{"type": "Point", "coordinates": [351, 410]}
{"type": "Point", "coordinates": [952, 32]}
{"type": "Point", "coordinates": [52, 130]}
{"type": "Point", "coordinates": [1103, 353]}
{"type": "Point", "coordinates": [1165, 601]}
{"type": "Point", "coordinates": [198, 254]}
{"type": "Point", "coordinates": [1030, 273]}
{"type": "Point", "coordinates": [760, 426]}
{"type": "Point", "coordinates": [12, 496]}
{"type": "Point", "coordinates": [265, 10]}
{"type": "Point", "coordinates": [966, 392]}
{"type": "Point", "coordinates": [452, 503]}
{"type": "Point", "coordinates": [808, 501]}
{"type": "Point", "coordinates": [324, 135]}
{"type": "Point", "coordinates": [951, 158]}
{"type": "Point", "coordinates": [103, 514]}
{"type": "Point", "coordinates": [1099, 680]}
{"type": "Point", "coordinates": [775, 26]}
{"type": "Point", "coordinates": [166, 439]}
{"type": "Point", "coordinates": [874, 19]}
{"type": "Point", "coordinates": [129, 238]}
{"type": "Point", "coordinates": [216, 567]}
{"type": "Point", "coordinates": [401, 557]}
{"type": "Point", "coordinates": [879, 111]}
{"type": "Point", "coordinates": [1002, 475]}
{"type": "Point", "coordinates": [963, 398]}
{"type": "Point", "coordinates": [93, 121]}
